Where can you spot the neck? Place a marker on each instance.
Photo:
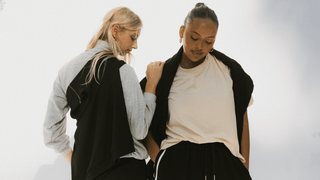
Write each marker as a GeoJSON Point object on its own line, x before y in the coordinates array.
{"type": "Point", "coordinates": [186, 63]}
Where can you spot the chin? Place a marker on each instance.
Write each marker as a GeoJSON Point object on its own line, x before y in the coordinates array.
{"type": "Point", "coordinates": [195, 58]}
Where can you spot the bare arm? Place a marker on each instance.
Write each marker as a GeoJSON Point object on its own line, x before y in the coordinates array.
{"type": "Point", "coordinates": [153, 74]}
{"type": "Point", "coordinates": [152, 147]}
{"type": "Point", "coordinates": [245, 141]}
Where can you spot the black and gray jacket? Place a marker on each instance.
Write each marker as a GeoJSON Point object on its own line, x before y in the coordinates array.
{"type": "Point", "coordinates": [66, 93]}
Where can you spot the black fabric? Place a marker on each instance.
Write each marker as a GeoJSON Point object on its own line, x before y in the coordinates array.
{"type": "Point", "coordinates": [150, 170]}
{"type": "Point", "coordinates": [242, 89]}
{"type": "Point", "coordinates": [103, 134]}
{"type": "Point", "coordinates": [125, 169]}
{"type": "Point", "coordinates": [190, 161]}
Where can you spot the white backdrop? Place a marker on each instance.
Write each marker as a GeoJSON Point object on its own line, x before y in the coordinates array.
{"type": "Point", "coordinates": [277, 42]}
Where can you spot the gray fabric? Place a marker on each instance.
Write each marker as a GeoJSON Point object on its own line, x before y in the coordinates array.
{"type": "Point", "coordinates": [140, 107]}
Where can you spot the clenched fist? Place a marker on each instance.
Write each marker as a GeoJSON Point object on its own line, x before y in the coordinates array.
{"type": "Point", "coordinates": [153, 74]}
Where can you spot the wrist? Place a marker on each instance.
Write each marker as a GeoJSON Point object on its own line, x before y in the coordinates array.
{"type": "Point", "coordinates": [151, 87]}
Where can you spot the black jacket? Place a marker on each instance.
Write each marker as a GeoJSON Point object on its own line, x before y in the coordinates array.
{"type": "Point", "coordinates": [242, 89]}
{"type": "Point", "coordinates": [103, 134]}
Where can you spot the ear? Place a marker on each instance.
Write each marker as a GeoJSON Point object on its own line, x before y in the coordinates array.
{"type": "Point", "coordinates": [115, 29]}
{"type": "Point", "coordinates": [181, 31]}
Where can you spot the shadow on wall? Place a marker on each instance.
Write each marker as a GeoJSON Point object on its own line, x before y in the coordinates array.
{"type": "Point", "coordinates": [2, 3]}
{"type": "Point", "coordinates": [303, 17]}
{"type": "Point", "coordinates": [300, 159]}
{"type": "Point", "coordinates": [59, 170]}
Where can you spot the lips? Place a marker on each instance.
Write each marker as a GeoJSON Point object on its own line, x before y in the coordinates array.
{"type": "Point", "coordinates": [198, 53]}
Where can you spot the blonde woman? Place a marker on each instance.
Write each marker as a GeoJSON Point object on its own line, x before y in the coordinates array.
{"type": "Point", "coordinates": [104, 96]}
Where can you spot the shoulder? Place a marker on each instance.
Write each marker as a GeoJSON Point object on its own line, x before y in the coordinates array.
{"type": "Point", "coordinates": [127, 73]}
{"type": "Point", "coordinates": [126, 70]}
{"type": "Point", "coordinates": [225, 59]}
{"type": "Point", "coordinates": [237, 72]}
{"type": "Point", "coordinates": [70, 69]}
{"type": "Point", "coordinates": [232, 64]}
{"type": "Point", "coordinates": [77, 62]}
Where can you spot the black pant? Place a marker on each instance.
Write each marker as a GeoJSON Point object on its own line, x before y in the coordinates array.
{"type": "Point", "coordinates": [190, 161]}
{"type": "Point", "coordinates": [125, 169]}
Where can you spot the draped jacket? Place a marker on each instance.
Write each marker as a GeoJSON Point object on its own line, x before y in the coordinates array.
{"type": "Point", "coordinates": [103, 134]}
{"type": "Point", "coordinates": [242, 90]}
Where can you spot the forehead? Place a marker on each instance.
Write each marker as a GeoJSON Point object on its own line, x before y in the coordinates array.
{"type": "Point", "coordinates": [134, 32]}
{"type": "Point", "coordinates": [204, 27]}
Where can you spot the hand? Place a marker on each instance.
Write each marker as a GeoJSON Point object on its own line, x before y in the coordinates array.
{"type": "Point", "coordinates": [153, 74]}
{"type": "Point", "coordinates": [68, 157]}
{"type": "Point", "coordinates": [154, 71]}
{"type": "Point", "coordinates": [152, 147]}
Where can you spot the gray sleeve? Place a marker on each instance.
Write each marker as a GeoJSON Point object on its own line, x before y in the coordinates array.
{"type": "Point", "coordinates": [140, 107]}
{"type": "Point", "coordinates": [54, 126]}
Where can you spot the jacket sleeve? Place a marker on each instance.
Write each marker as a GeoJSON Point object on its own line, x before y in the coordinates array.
{"type": "Point", "coordinates": [54, 126]}
{"type": "Point", "coordinates": [140, 107]}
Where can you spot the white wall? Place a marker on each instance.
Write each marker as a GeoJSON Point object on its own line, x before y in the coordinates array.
{"type": "Point", "coordinates": [275, 41]}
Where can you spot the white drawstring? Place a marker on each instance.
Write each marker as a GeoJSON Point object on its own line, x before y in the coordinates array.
{"type": "Point", "coordinates": [159, 163]}
{"type": "Point", "coordinates": [214, 177]}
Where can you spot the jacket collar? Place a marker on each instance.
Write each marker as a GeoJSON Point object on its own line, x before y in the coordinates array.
{"type": "Point", "coordinates": [102, 45]}
{"type": "Point", "coordinates": [169, 71]}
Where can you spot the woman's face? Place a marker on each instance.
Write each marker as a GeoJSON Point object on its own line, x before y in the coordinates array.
{"type": "Point", "coordinates": [198, 38]}
{"type": "Point", "coordinates": [127, 40]}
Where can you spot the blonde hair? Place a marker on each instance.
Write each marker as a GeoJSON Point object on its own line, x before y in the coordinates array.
{"type": "Point", "coordinates": [127, 20]}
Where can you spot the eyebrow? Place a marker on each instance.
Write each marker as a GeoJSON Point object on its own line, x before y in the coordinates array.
{"type": "Point", "coordinates": [200, 35]}
{"type": "Point", "coordinates": [136, 35]}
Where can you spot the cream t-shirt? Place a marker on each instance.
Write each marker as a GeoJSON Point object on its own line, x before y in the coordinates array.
{"type": "Point", "coordinates": [201, 107]}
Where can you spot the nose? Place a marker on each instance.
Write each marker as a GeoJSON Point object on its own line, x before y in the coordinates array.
{"type": "Point", "coordinates": [135, 44]}
{"type": "Point", "coordinates": [199, 45]}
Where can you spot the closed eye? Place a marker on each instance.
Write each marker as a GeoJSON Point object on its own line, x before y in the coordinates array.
{"type": "Point", "coordinates": [193, 38]}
